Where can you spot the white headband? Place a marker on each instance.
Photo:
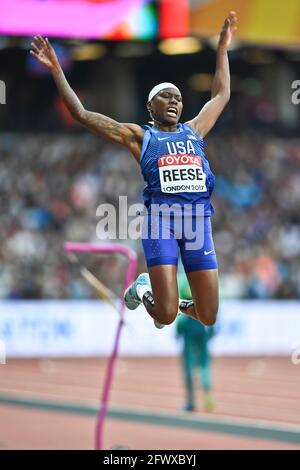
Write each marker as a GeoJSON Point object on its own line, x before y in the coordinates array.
{"type": "Point", "coordinates": [159, 87]}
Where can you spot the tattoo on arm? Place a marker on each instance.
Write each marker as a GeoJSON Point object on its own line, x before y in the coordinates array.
{"type": "Point", "coordinates": [109, 128]}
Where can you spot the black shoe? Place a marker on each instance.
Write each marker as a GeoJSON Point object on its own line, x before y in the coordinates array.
{"type": "Point", "coordinates": [185, 304]}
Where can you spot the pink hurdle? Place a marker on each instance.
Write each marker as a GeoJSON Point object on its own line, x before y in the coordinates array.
{"type": "Point", "coordinates": [130, 274]}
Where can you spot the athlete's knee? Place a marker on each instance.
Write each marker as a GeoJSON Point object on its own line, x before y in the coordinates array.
{"type": "Point", "coordinates": [208, 314]}
{"type": "Point", "coordinates": [208, 320]}
{"type": "Point", "coordinates": [166, 314]}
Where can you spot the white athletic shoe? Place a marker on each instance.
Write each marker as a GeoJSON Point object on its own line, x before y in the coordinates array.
{"type": "Point", "coordinates": [131, 298]}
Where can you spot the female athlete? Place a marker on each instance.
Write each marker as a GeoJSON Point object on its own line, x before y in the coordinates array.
{"type": "Point", "coordinates": [172, 160]}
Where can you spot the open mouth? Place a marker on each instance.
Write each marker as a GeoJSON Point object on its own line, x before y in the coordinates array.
{"type": "Point", "coordinates": [172, 112]}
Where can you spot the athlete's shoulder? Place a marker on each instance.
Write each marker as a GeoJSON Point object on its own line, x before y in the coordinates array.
{"type": "Point", "coordinates": [135, 129]}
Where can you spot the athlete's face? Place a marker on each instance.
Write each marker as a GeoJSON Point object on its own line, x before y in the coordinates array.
{"type": "Point", "coordinates": [166, 107]}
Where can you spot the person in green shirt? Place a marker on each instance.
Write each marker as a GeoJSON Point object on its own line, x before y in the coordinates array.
{"type": "Point", "coordinates": [195, 352]}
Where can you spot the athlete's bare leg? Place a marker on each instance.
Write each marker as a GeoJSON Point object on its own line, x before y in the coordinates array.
{"type": "Point", "coordinates": [204, 286]}
{"type": "Point", "coordinates": [165, 293]}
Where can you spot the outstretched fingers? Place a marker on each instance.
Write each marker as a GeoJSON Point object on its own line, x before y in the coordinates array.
{"type": "Point", "coordinates": [40, 43]}
{"type": "Point", "coordinates": [41, 40]}
{"type": "Point", "coordinates": [37, 42]}
{"type": "Point", "coordinates": [34, 48]}
{"type": "Point", "coordinates": [36, 55]}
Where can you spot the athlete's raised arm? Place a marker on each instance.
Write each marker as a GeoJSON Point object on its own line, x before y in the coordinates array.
{"type": "Point", "coordinates": [220, 92]}
{"type": "Point", "coordinates": [130, 135]}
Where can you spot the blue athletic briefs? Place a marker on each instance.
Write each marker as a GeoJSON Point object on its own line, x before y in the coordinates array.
{"type": "Point", "coordinates": [178, 176]}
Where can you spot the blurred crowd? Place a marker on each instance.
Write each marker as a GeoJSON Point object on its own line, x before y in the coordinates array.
{"type": "Point", "coordinates": [51, 186]}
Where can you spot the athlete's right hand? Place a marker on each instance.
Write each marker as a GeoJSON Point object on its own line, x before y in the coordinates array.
{"type": "Point", "coordinates": [42, 50]}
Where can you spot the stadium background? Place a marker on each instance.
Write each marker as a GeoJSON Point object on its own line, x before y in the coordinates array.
{"type": "Point", "coordinates": [54, 175]}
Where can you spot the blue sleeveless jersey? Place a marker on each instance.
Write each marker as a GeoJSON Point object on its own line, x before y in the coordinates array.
{"type": "Point", "coordinates": [175, 168]}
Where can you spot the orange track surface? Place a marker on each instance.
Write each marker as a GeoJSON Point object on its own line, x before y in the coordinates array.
{"type": "Point", "coordinates": [254, 388]}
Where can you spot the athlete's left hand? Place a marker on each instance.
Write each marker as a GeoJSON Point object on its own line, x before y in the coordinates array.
{"type": "Point", "coordinates": [228, 30]}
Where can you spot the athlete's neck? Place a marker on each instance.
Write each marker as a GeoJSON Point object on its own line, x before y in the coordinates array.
{"type": "Point", "coordinates": [163, 128]}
